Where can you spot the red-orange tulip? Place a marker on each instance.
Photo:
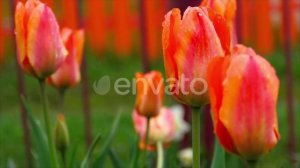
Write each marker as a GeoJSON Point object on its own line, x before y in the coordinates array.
{"type": "Point", "coordinates": [227, 9]}
{"type": "Point", "coordinates": [149, 93]}
{"type": "Point", "coordinates": [40, 48]}
{"type": "Point", "coordinates": [189, 43]}
{"type": "Point", "coordinates": [1, 35]}
{"type": "Point", "coordinates": [68, 74]}
{"type": "Point", "coordinates": [243, 92]}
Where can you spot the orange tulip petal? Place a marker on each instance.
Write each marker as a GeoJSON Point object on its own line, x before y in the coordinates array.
{"type": "Point", "coordinates": [216, 73]}
{"type": "Point", "coordinates": [20, 32]}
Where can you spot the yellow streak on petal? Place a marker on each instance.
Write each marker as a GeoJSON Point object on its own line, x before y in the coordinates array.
{"type": "Point", "coordinates": [20, 32]}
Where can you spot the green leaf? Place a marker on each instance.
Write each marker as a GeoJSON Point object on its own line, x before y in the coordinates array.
{"type": "Point", "coordinates": [85, 162]}
{"type": "Point", "coordinates": [115, 159]}
{"type": "Point", "coordinates": [219, 156]}
{"type": "Point", "coordinates": [72, 161]}
{"type": "Point", "coordinates": [39, 138]}
{"type": "Point", "coordinates": [105, 147]}
{"type": "Point", "coordinates": [135, 154]}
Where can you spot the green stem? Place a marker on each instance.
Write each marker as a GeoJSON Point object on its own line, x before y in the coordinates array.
{"type": "Point", "coordinates": [47, 125]}
{"type": "Point", "coordinates": [196, 136]}
{"type": "Point", "coordinates": [252, 163]}
{"type": "Point", "coordinates": [160, 155]}
{"type": "Point", "coordinates": [146, 141]}
{"type": "Point", "coordinates": [63, 157]}
{"type": "Point", "coordinates": [62, 100]}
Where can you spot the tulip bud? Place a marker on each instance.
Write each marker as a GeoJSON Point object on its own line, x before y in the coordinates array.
{"type": "Point", "coordinates": [185, 157]}
{"type": "Point", "coordinates": [40, 48]}
{"type": "Point", "coordinates": [243, 92]}
{"type": "Point", "coordinates": [162, 128]}
{"type": "Point", "coordinates": [62, 140]}
{"type": "Point", "coordinates": [68, 74]}
{"type": "Point", "coordinates": [150, 93]}
{"type": "Point", "coordinates": [189, 43]}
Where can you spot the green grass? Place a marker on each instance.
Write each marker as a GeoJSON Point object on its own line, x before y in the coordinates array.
{"type": "Point", "coordinates": [104, 108]}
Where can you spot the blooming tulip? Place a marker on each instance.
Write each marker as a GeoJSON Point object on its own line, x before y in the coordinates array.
{"type": "Point", "coordinates": [40, 48]}
{"type": "Point", "coordinates": [243, 92]}
{"type": "Point", "coordinates": [68, 74]}
{"type": "Point", "coordinates": [150, 93]}
{"type": "Point", "coordinates": [189, 43]}
{"type": "Point", "coordinates": [161, 129]}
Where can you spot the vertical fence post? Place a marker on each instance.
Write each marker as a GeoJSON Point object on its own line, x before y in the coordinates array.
{"type": "Point", "coordinates": [85, 84]}
{"type": "Point", "coordinates": [289, 77]}
{"type": "Point", "coordinates": [143, 28]}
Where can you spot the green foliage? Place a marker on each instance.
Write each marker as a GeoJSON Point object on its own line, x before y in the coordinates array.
{"type": "Point", "coordinates": [42, 154]}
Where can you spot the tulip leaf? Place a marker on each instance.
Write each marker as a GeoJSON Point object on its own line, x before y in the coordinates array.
{"type": "Point", "coordinates": [105, 147]}
{"type": "Point", "coordinates": [135, 154]}
{"type": "Point", "coordinates": [72, 161]}
{"type": "Point", "coordinates": [115, 159]}
{"type": "Point", "coordinates": [42, 154]}
{"type": "Point", "coordinates": [219, 156]}
{"type": "Point", "coordinates": [86, 160]}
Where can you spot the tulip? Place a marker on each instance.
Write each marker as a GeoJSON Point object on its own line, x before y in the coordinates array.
{"type": "Point", "coordinates": [181, 126]}
{"type": "Point", "coordinates": [150, 93]}
{"type": "Point", "coordinates": [161, 129]}
{"type": "Point", "coordinates": [68, 74]}
{"type": "Point", "coordinates": [189, 43]}
{"type": "Point", "coordinates": [62, 140]}
{"type": "Point", "coordinates": [2, 39]}
{"type": "Point", "coordinates": [243, 92]}
{"type": "Point", "coordinates": [40, 48]}
{"type": "Point", "coordinates": [227, 9]}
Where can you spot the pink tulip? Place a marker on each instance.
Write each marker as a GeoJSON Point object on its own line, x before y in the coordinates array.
{"type": "Point", "coordinates": [40, 48]}
{"type": "Point", "coordinates": [68, 74]}
{"type": "Point", "coordinates": [162, 127]}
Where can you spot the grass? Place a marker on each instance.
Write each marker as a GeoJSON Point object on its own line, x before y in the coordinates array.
{"type": "Point", "coordinates": [104, 108]}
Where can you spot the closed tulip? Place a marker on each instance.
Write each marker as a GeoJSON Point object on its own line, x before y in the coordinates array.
{"type": "Point", "coordinates": [68, 74]}
{"type": "Point", "coordinates": [189, 43]}
{"type": "Point", "coordinates": [40, 48]}
{"type": "Point", "coordinates": [243, 92]}
{"type": "Point", "coordinates": [150, 93]}
{"type": "Point", "coordinates": [62, 140]}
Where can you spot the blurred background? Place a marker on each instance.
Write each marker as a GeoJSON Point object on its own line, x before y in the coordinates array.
{"type": "Point", "coordinates": [124, 37]}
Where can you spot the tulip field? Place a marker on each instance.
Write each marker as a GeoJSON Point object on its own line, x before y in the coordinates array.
{"type": "Point", "coordinates": [149, 84]}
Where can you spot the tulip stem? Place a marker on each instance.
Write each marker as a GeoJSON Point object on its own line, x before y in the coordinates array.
{"type": "Point", "coordinates": [47, 125]}
{"type": "Point", "coordinates": [62, 100]}
{"type": "Point", "coordinates": [196, 136]}
{"type": "Point", "coordinates": [252, 163]}
{"type": "Point", "coordinates": [146, 141]}
{"type": "Point", "coordinates": [160, 155]}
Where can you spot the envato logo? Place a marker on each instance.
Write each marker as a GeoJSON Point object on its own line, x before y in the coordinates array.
{"type": "Point", "coordinates": [124, 86]}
